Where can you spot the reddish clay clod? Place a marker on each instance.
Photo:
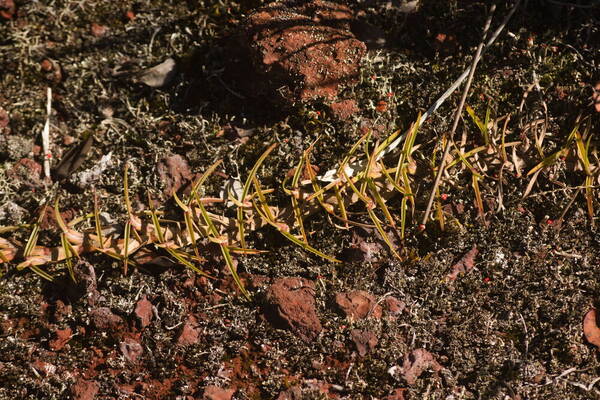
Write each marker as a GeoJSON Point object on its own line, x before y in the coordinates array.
{"type": "Point", "coordinates": [7, 9]}
{"type": "Point", "coordinates": [46, 65]}
{"type": "Point", "coordinates": [590, 328]}
{"type": "Point", "coordinates": [303, 51]}
{"type": "Point", "coordinates": [465, 264]}
{"type": "Point", "coordinates": [381, 106]}
{"type": "Point", "coordinates": [98, 30]}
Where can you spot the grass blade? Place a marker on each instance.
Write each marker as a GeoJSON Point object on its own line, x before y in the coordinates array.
{"type": "Point", "coordinates": [548, 161]}
{"type": "Point", "coordinates": [127, 235]}
{"type": "Point", "coordinates": [478, 198]}
{"type": "Point", "coordinates": [277, 226]}
{"type": "Point", "coordinates": [318, 191]}
{"type": "Point", "coordinates": [403, 207]}
{"type": "Point", "coordinates": [297, 241]}
{"type": "Point", "coordinates": [381, 231]}
{"type": "Point", "coordinates": [246, 189]}
{"type": "Point", "coordinates": [97, 223]}
{"type": "Point", "coordinates": [68, 255]}
{"type": "Point", "coordinates": [34, 235]}
{"type": "Point", "coordinates": [189, 224]}
{"type": "Point", "coordinates": [157, 227]}
{"type": "Point", "coordinates": [178, 255]}
{"type": "Point", "coordinates": [41, 273]}
{"type": "Point", "coordinates": [409, 143]}
{"type": "Point", "coordinates": [224, 250]}
{"type": "Point", "coordinates": [480, 125]}
{"type": "Point", "coordinates": [589, 196]}
{"type": "Point", "coordinates": [380, 201]}
{"type": "Point", "coordinates": [341, 206]}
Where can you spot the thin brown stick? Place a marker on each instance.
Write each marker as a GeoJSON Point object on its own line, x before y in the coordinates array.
{"type": "Point", "coordinates": [450, 135]}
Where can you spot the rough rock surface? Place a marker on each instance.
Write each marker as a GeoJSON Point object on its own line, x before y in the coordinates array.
{"type": "Point", "coordinates": [84, 389]}
{"type": "Point", "coordinates": [103, 319]}
{"type": "Point", "coordinates": [190, 334]}
{"type": "Point", "coordinates": [393, 306]}
{"type": "Point", "coordinates": [304, 50]}
{"type": "Point", "coordinates": [365, 341]}
{"type": "Point", "coordinates": [61, 339]}
{"type": "Point", "coordinates": [292, 304]}
{"type": "Point", "coordinates": [293, 393]}
{"type": "Point", "coordinates": [417, 362]}
{"type": "Point", "coordinates": [7, 9]}
{"type": "Point", "coordinates": [397, 394]}
{"type": "Point", "coordinates": [358, 305]}
{"type": "Point", "coordinates": [174, 171]}
{"type": "Point", "coordinates": [345, 109]}
{"type": "Point", "coordinates": [216, 393]}
{"type": "Point", "coordinates": [143, 311]}
{"type": "Point", "coordinates": [131, 349]}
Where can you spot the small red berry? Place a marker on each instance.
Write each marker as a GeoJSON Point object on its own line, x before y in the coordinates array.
{"type": "Point", "coordinates": [486, 279]}
{"type": "Point", "coordinates": [549, 221]}
{"type": "Point", "coordinates": [421, 227]}
{"type": "Point", "coordinates": [444, 196]}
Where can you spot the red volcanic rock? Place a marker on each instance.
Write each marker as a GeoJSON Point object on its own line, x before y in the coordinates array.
{"type": "Point", "coordinates": [85, 274]}
{"type": "Point", "coordinates": [27, 172]}
{"type": "Point", "coordinates": [174, 171]}
{"type": "Point", "coordinates": [417, 362]}
{"type": "Point", "coordinates": [84, 390]}
{"type": "Point", "coordinates": [190, 334]}
{"type": "Point", "coordinates": [344, 109]}
{"type": "Point", "coordinates": [393, 306]}
{"type": "Point", "coordinates": [358, 304]}
{"type": "Point", "coordinates": [62, 337]}
{"type": "Point", "coordinates": [131, 350]}
{"type": "Point", "coordinates": [7, 9]}
{"type": "Point", "coordinates": [103, 319]}
{"type": "Point", "coordinates": [465, 264]}
{"type": "Point", "coordinates": [216, 393]}
{"type": "Point", "coordinates": [43, 367]}
{"type": "Point", "coordinates": [292, 305]}
{"type": "Point", "coordinates": [397, 394]}
{"type": "Point", "coordinates": [143, 310]}
{"type": "Point", "coordinates": [98, 30]}
{"type": "Point", "coordinates": [365, 341]}
{"type": "Point", "coordinates": [293, 393]}
{"type": "Point", "coordinates": [304, 50]}
{"type": "Point", "coordinates": [4, 118]}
